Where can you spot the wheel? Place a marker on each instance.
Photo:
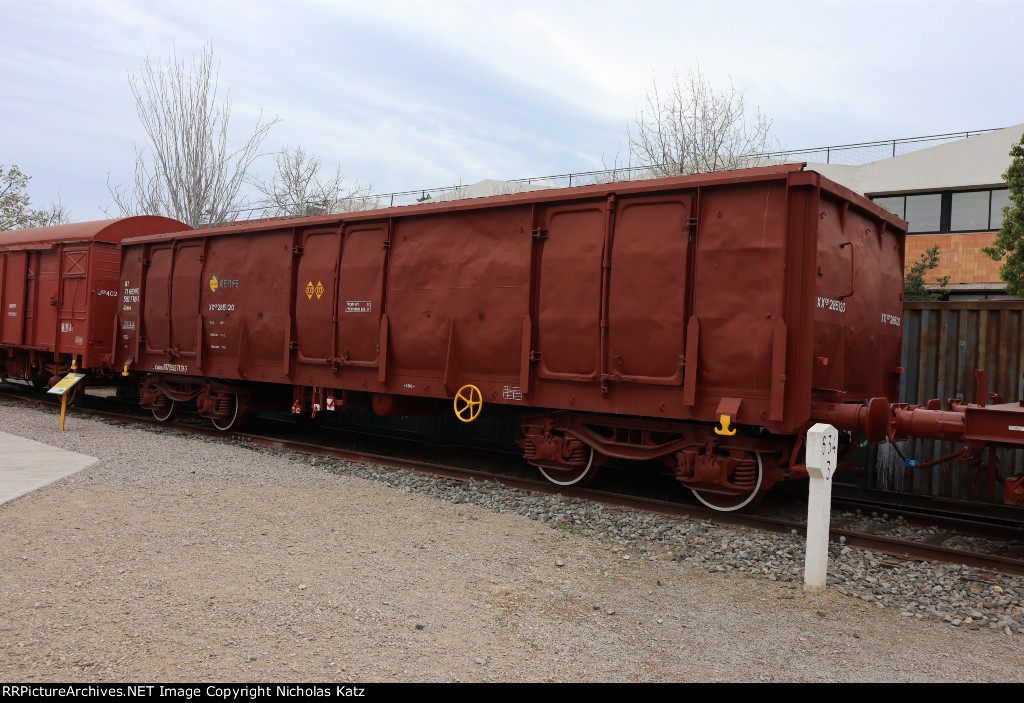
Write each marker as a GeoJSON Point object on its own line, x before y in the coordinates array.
{"type": "Point", "coordinates": [230, 416]}
{"type": "Point", "coordinates": [572, 477]}
{"type": "Point", "coordinates": [163, 413]}
{"type": "Point", "coordinates": [751, 472]}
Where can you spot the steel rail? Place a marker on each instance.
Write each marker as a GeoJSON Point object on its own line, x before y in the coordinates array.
{"type": "Point", "coordinates": [892, 546]}
{"type": "Point", "coordinates": [941, 519]}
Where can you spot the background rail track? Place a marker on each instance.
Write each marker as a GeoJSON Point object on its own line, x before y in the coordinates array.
{"type": "Point", "coordinates": [852, 524]}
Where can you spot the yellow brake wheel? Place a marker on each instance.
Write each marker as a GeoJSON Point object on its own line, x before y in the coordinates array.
{"type": "Point", "coordinates": [469, 401]}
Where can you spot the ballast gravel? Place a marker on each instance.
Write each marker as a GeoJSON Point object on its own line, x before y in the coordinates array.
{"type": "Point", "coordinates": [182, 558]}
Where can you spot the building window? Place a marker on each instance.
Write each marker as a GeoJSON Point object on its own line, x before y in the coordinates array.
{"type": "Point", "coordinates": [960, 211]}
{"type": "Point", "coordinates": [1000, 199]}
{"type": "Point", "coordinates": [969, 211]}
{"type": "Point", "coordinates": [897, 205]}
{"type": "Point", "coordinates": [924, 212]}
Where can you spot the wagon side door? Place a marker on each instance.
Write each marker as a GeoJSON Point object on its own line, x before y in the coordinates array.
{"type": "Point", "coordinates": [186, 286]}
{"type": "Point", "coordinates": [156, 297]}
{"type": "Point", "coordinates": [361, 294]}
{"type": "Point", "coordinates": [44, 272]}
{"type": "Point", "coordinates": [648, 290]}
{"type": "Point", "coordinates": [74, 300]}
{"type": "Point", "coordinates": [14, 277]}
{"type": "Point", "coordinates": [317, 297]}
{"type": "Point", "coordinates": [567, 332]}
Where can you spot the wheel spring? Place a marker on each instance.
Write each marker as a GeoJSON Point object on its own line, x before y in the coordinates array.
{"type": "Point", "coordinates": [225, 404]}
{"type": "Point", "coordinates": [745, 475]}
{"type": "Point", "coordinates": [578, 456]}
{"type": "Point", "coordinates": [529, 450]}
{"type": "Point", "coordinates": [161, 402]}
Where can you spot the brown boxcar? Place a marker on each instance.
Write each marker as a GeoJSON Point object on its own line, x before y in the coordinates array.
{"type": "Point", "coordinates": [59, 290]}
{"type": "Point", "coordinates": [642, 320]}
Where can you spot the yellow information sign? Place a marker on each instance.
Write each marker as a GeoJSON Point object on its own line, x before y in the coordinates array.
{"type": "Point", "coordinates": [65, 384]}
{"type": "Point", "coordinates": [60, 388]}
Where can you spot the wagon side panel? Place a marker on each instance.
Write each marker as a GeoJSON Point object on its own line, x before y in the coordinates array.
{"type": "Point", "coordinates": [248, 296]}
{"type": "Point", "coordinates": [739, 298]}
{"type": "Point", "coordinates": [104, 304]}
{"type": "Point", "coordinates": [458, 291]}
{"type": "Point", "coordinates": [14, 294]}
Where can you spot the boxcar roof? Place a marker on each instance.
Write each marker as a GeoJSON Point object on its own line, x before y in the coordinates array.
{"type": "Point", "coordinates": [98, 231]}
{"type": "Point", "coordinates": [780, 171]}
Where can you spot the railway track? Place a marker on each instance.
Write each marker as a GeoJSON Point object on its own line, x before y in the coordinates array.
{"type": "Point", "coordinates": [851, 523]}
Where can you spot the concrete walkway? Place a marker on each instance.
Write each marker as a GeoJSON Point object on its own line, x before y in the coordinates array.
{"type": "Point", "coordinates": [26, 465]}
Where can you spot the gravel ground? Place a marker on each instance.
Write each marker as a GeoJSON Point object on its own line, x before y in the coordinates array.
{"type": "Point", "coordinates": [180, 558]}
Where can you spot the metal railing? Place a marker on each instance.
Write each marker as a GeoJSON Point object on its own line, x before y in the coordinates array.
{"type": "Point", "coordinates": [866, 152]}
{"type": "Point", "coordinates": [844, 154]}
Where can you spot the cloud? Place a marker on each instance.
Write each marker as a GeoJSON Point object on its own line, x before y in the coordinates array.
{"type": "Point", "coordinates": [417, 95]}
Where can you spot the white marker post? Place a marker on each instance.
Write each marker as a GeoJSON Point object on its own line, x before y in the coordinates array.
{"type": "Point", "coordinates": [822, 450]}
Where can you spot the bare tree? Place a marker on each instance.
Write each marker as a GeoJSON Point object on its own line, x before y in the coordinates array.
{"type": "Point", "coordinates": [297, 188]}
{"type": "Point", "coordinates": [186, 169]}
{"type": "Point", "coordinates": [56, 213]}
{"type": "Point", "coordinates": [615, 172]}
{"type": "Point", "coordinates": [692, 128]}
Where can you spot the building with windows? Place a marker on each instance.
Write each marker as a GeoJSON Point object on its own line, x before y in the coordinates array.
{"type": "Point", "coordinates": [951, 193]}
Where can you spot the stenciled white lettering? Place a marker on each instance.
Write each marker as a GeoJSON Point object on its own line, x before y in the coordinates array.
{"type": "Point", "coordinates": [830, 304]}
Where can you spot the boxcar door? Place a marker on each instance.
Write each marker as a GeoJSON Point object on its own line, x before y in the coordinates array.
{"type": "Point", "coordinates": [647, 290]}
{"type": "Point", "coordinates": [14, 273]}
{"type": "Point", "coordinates": [32, 299]}
{"type": "Point", "coordinates": [74, 301]}
{"type": "Point", "coordinates": [361, 294]}
{"type": "Point", "coordinates": [569, 292]}
{"type": "Point", "coordinates": [44, 271]}
{"type": "Point", "coordinates": [186, 286]}
{"type": "Point", "coordinates": [316, 302]}
{"type": "Point", "coordinates": [156, 312]}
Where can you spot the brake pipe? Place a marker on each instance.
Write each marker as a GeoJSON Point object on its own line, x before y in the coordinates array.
{"type": "Point", "coordinates": [913, 464]}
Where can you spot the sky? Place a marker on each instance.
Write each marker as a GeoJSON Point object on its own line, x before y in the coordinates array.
{"type": "Point", "coordinates": [410, 95]}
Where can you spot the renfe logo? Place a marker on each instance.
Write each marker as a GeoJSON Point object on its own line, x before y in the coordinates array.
{"type": "Point", "coordinates": [216, 283]}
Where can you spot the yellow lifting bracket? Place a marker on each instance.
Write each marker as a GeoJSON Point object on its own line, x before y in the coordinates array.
{"type": "Point", "coordinates": [723, 428]}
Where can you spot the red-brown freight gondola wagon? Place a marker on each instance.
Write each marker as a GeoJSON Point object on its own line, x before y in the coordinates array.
{"type": "Point", "coordinates": [641, 320]}
{"type": "Point", "coordinates": [59, 290]}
